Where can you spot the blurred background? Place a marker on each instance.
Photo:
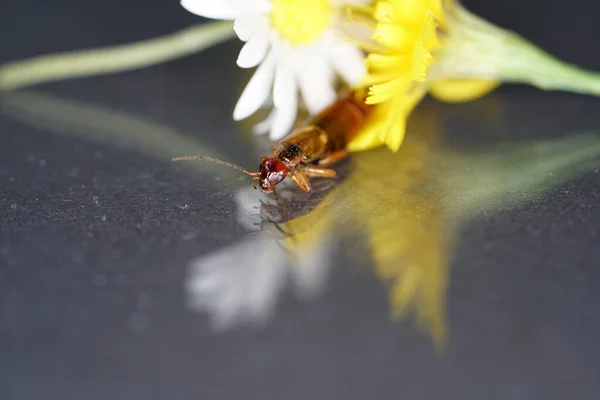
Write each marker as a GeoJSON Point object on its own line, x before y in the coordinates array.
{"type": "Point", "coordinates": [463, 267]}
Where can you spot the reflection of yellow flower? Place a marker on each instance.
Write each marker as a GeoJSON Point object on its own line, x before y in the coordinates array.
{"type": "Point", "coordinates": [398, 74]}
{"type": "Point", "coordinates": [408, 215]}
{"type": "Point", "coordinates": [409, 248]}
{"type": "Point", "coordinates": [405, 231]}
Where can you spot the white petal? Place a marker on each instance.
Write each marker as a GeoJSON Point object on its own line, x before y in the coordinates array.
{"type": "Point", "coordinates": [348, 61]}
{"type": "Point", "coordinates": [256, 91]}
{"type": "Point", "coordinates": [283, 120]}
{"type": "Point", "coordinates": [254, 50]}
{"type": "Point", "coordinates": [265, 125]}
{"type": "Point", "coordinates": [214, 9]}
{"type": "Point", "coordinates": [284, 88]}
{"type": "Point", "coordinates": [264, 6]}
{"type": "Point", "coordinates": [316, 84]}
{"type": "Point", "coordinates": [248, 24]}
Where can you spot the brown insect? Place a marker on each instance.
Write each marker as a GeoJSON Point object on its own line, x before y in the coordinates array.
{"type": "Point", "coordinates": [308, 151]}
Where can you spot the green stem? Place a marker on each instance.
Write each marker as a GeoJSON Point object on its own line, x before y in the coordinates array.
{"type": "Point", "coordinates": [475, 48]}
{"type": "Point", "coordinates": [559, 75]}
{"type": "Point", "coordinates": [108, 60]}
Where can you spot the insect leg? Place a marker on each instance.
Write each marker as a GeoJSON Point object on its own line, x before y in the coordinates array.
{"type": "Point", "coordinates": [319, 172]}
{"type": "Point", "coordinates": [301, 180]}
{"type": "Point", "coordinates": [332, 158]}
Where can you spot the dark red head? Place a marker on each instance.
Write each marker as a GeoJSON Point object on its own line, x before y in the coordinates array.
{"type": "Point", "coordinates": [271, 172]}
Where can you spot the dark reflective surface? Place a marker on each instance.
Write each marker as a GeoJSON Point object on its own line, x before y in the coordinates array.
{"type": "Point", "coordinates": [124, 275]}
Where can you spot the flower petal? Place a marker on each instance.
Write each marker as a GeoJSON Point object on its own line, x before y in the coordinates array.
{"type": "Point", "coordinates": [394, 36]}
{"type": "Point", "coordinates": [461, 90]}
{"type": "Point", "coordinates": [384, 10]}
{"type": "Point", "coordinates": [383, 92]}
{"type": "Point", "coordinates": [257, 90]}
{"type": "Point", "coordinates": [264, 126]}
{"type": "Point", "coordinates": [214, 9]}
{"type": "Point", "coordinates": [315, 80]}
{"type": "Point", "coordinates": [348, 61]}
{"type": "Point", "coordinates": [409, 11]}
{"type": "Point", "coordinates": [284, 88]}
{"type": "Point", "coordinates": [421, 60]}
{"type": "Point", "coordinates": [368, 139]}
{"type": "Point", "coordinates": [264, 6]}
{"type": "Point", "coordinates": [396, 63]}
{"type": "Point", "coordinates": [284, 119]}
{"type": "Point", "coordinates": [249, 24]}
{"type": "Point", "coordinates": [394, 129]}
{"type": "Point", "coordinates": [254, 50]}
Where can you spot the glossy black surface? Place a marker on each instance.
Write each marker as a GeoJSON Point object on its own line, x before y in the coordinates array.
{"type": "Point", "coordinates": [99, 228]}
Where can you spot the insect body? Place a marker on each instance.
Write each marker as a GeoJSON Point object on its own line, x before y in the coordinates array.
{"type": "Point", "coordinates": [309, 150]}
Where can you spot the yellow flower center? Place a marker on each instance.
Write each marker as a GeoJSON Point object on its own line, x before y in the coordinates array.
{"type": "Point", "coordinates": [301, 21]}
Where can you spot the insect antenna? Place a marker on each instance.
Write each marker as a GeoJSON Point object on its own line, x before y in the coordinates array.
{"type": "Point", "coordinates": [216, 161]}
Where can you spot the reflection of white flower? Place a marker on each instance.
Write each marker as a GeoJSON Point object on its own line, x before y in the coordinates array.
{"type": "Point", "coordinates": [241, 283]}
{"type": "Point", "coordinates": [297, 47]}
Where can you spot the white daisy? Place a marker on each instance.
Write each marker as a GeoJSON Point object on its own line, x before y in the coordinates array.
{"type": "Point", "coordinates": [297, 47]}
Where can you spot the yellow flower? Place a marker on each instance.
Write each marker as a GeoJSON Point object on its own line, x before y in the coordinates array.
{"type": "Point", "coordinates": [439, 47]}
{"type": "Point", "coordinates": [408, 33]}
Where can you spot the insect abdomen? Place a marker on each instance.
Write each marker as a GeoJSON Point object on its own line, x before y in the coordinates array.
{"type": "Point", "coordinates": [341, 121]}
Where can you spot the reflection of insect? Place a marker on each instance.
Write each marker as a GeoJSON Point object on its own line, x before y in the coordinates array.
{"type": "Point", "coordinates": [307, 151]}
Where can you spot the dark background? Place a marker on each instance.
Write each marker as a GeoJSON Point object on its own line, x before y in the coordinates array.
{"type": "Point", "coordinates": [94, 241]}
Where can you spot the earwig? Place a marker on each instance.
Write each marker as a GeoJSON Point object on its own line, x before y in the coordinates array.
{"type": "Point", "coordinates": [308, 151]}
